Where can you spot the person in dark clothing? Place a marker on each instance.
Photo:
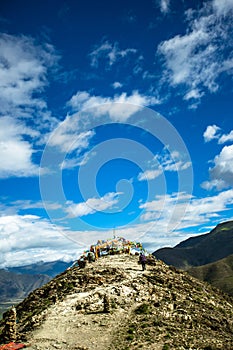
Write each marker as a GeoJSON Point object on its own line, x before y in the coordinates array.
{"type": "Point", "coordinates": [142, 260]}
{"type": "Point", "coordinates": [82, 262]}
{"type": "Point", "coordinates": [91, 257]}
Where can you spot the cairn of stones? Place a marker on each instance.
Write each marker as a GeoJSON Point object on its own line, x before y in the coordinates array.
{"type": "Point", "coordinates": [9, 333]}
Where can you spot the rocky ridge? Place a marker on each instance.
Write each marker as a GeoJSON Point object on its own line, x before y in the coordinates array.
{"type": "Point", "coordinates": [112, 304]}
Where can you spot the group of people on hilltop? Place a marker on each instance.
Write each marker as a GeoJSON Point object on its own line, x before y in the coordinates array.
{"type": "Point", "coordinates": [116, 245]}
{"type": "Point", "coordinates": [91, 257]}
{"type": "Point", "coordinates": [82, 261]}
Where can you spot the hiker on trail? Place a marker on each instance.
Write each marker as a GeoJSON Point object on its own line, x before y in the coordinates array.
{"type": "Point", "coordinates": [91, 257]}
{"type": "Point", "coordinates": [82, 262]}
{"type": "Point", "coordinates": [142, 261]}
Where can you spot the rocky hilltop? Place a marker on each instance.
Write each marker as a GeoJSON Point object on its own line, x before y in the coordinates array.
{"type": "Point", "coordinates": [112, 304]}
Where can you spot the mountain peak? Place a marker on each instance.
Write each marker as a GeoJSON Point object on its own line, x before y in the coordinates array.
{"type": "Point", "coordinates": [113, 304]}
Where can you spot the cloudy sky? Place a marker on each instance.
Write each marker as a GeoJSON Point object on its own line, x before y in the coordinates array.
{"type": "Point", "coordinates": [114, 117]}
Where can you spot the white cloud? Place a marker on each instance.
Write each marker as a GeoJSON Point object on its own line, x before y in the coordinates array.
{"type": "Point", "coordinates": [195, 211]}
{"type": "Point", "coordinates": [213, 184]}
{"type": "Point", "coordinates": [77, 161]}
{"type": "Point", "coordinates": [211, 205]}
{"type": "Point", "coordinates": [116, 106]}
{"type": "Point", "coordinates": [92, 205]}
{"type": "Point", "coordinates": [173, 161]}
{"type": "Point", "coordinates": [110, 52]}
{"type": "Point", "coordinates": [29, 239]}
{"type": "Point", "coordinates": [149, 175]}
{"type": "Point", "coordinates": [211, 133]}
{"type": "Point", "coordinates": [226, 138]}
{"type": "Point", "coordinates": [15, 153]}
{"type": "Point", "coordinates": [117, 85]}
{"type": "Point", "coordinates": [68, 139]}
{"type": "Point", "coordinates": [222, 7]}
{"type": "Point", "coordinates": [193, 94]}
{"type": "Point", "coordinates": [24, 67]}
{"type": "Point", "coordinates": [84, 106]}
{"type": "Point", "coordinates": [179, 55]}
{"type": "Point", "coordinates": [221, 173]}
{"type": "Point", "coordinates": [23, 75]}
{"type": "Point", "coordinates": [223, 167]}
{"type": "Point", "coordinates": [166, 161]}
{"type": "Point", "coordinates": [164, 6]}
{"type": "Point", "coordinates": [196, 59]}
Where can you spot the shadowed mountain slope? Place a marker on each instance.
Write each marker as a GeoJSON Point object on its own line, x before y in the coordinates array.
{"type": "Point", "coordinates": [17, 282]}
{"type": "Point", "coordinates": [200, 250]}
{"type": "Point", "coordinates": [112, 304]}
{"type": "Point", "coordinates": [219, 274]}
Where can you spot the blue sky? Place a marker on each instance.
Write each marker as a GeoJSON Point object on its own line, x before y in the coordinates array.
{"type": "Point", "coordinates": [114, 116]}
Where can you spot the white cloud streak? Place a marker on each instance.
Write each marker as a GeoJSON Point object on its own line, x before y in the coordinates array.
{"type": "Point", "coordinates": [23, 75]}
{"type": "Point", "coordinates": [149, 174]}
{"type": "Point", "coordinates": [164, 6]}
{"type": "Point", "coordinates": [110, 53]}
{"type": "Point", "coordinates": [170, 162]}
{"type": "Point", "coordinates": [214, 132]}
{"type": "Point", "coordinates": [197, 212]}
{"type": "Point", "coordinates": [226, 138]}
{"type": "Point", "coordinates": [24, 67]}
{"type": "Point", "coordinates": [198, 58]}
{"type": "Point", "coordinates": [15, 153]}
{"type": "Point", "coordinates": [67, 139]}
{"type": "Point", "coordinates": [222, 7]}
{"type": "Point", "coordinates": [92, 205]}
{"type": "Point", "coordinates": [116, 106]}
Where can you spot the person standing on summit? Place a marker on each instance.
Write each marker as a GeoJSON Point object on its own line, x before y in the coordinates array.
{"type": "Point", "coordinates": [142, 261]}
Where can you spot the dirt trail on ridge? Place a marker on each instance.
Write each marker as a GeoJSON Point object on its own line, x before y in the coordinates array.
{"type": "Point", "coordinates": [64, 328]}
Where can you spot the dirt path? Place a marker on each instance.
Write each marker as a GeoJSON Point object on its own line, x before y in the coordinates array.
{"type": "Point", "coordinates": [64, 328]}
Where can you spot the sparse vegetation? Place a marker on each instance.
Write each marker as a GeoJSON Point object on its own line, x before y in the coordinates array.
{"type": "Point", "coordinates": [166, 347]}
{"type": "Point", "coordinates": [131, 330]}
{"type": "Point", "coordinates": [142, 309]}
{"type": "Point", "coordinates": [130, 337]}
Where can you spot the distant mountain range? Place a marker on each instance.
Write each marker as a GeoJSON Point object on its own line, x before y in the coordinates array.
{"type": "Point", "coordinates": [17, 282]}
{"type": "Point", "coordinates": [208, 257]}
{"type": "Point", "coordinates": [50, 269]}
{"type": "Point", "coordinates": [14, 286]}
